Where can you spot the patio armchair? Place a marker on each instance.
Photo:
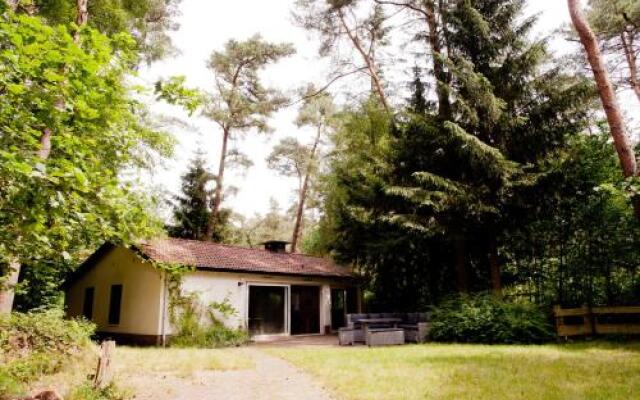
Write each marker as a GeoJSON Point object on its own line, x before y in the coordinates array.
{"type": "Point", "coordinates": [416, 327]}
{"type": "Point", "coordinates": [354, 325]}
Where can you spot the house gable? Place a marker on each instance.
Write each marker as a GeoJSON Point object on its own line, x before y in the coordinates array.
{"type": "Point", "coordinates": [141, 291]}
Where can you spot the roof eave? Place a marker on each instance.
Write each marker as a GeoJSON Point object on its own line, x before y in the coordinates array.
{"type": "Point", "coordinates": [279, 273]}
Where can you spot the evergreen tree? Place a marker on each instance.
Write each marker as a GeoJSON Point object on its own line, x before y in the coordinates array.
{"type": "Point", "coordinates": [430, 198]}
{"type": "Point", "coordinates": [192, 208]}
{"type": "Point", "coordinates": [418, 103]}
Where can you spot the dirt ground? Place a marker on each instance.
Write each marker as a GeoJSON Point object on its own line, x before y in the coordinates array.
{"type": "Point", "coordinates": [270, 378]}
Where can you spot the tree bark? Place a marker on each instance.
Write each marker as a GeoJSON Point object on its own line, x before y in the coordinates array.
{"type": "Point", "coordinates": [371, 67]}
{"type": "Point", "coordinates": [607, 95]}
{"type": "Point", "coordinates": [7, 292]}
{"type": "Point", "coordinates": [217, 197]}
{"type": "Point", "coordinates": [630, 55]}
{"type": "Point", "coordinates": [82, 17]}
{"type": "Point", "coordinates": [299, 213]}
{"type": "Point", "coordinates": [494, 266]}
{"type": "Point", "coordinates": [444, 107]}
{"type": "Point", "coordinates": [462, 273]}
{"type": "Point", "coordinates": [302, 198]}
{"type": "Point", "coordinates": [12, 4]}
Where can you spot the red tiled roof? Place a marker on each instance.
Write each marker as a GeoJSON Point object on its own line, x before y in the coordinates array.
{"type": "Point", "coordinates": [215, 256]}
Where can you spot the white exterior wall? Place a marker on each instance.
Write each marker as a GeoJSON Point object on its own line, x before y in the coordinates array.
{"type": "Point", "coordinates": [217, 286]}
{"type": "Point", "coordinates": [141, 305]}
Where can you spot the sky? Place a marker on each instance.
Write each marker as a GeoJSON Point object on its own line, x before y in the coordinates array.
{"type": "Point", "coordinates": [205, 26]}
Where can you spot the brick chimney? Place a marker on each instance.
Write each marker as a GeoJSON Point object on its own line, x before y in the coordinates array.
{"type": "Point", "coordinates": [276, 246]}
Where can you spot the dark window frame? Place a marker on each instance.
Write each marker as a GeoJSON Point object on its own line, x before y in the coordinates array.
{"type": "Point", "coordinates": [87, 306]}
{"type": "Point", "coordinates": [115, 304]}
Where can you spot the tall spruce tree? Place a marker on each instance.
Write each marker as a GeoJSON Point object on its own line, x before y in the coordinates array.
{"type": "Point", "coordinates": [418, 103]}
{"type": "Point", "coordinates": [511, 110]}
{"type": "Point", "coordinates": [440, 191]}
{"type": "Point", "coordinates": [193, 206]}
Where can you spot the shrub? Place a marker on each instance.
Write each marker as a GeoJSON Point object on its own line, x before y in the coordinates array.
{"type": "Point", "coordinates": [200, 326]}
{"type": "Point", "coordinates": [87, 392]}
{"type": "Point", "coordinates": [210, 336]}
{"type": "Point", "coordinates": [43, 332]}
{"type": "Point", "coordinates": [486, 319]}
{"type": "Point", "coordinates": [36, 344]}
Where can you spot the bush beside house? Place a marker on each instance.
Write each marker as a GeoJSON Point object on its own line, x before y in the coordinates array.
{"type": "Point", "coordinates": [487, 319]}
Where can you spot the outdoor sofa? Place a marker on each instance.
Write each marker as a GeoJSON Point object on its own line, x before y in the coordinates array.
{"type": "Point", "coordinates": [415, 326]}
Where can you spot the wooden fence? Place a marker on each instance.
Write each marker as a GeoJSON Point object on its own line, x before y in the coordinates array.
{"type": "Point", "coordinates": [585, 321]}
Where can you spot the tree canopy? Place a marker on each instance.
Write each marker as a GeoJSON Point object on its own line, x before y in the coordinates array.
{"type": "Point", "coordinates": [54, 209]}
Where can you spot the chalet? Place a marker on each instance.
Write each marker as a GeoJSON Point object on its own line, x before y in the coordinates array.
{"type": "Point", "coordinates": [273, 292]}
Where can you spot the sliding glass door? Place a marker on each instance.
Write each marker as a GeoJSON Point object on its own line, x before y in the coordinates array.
{"type": "Point", "coordinates": [267, 310]}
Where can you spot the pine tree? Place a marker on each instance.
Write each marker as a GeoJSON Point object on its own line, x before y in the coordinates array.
{"type": "Point", "coordinates": [418, 103]}
{"type": "Point", "coordinates": [193, 206]}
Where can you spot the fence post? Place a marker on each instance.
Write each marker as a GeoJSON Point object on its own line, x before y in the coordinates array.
{"type": "Point", "coordinates": [558, 319]}
{"type": "Point", "coordinates": [103, 370]}
{"type": "Point", "coordinates": [587, 318]}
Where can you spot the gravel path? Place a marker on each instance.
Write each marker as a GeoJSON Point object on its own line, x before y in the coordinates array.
{"type": "Point", "coordinates": [272, 378]}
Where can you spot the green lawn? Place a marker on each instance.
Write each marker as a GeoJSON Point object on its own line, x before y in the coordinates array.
{"type": "Point", "coordinates": [435, 371]}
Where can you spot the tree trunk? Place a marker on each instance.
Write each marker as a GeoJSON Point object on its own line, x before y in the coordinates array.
{"type": "Point", "coordinates": [444, 107]}
{"type": "Point", "coordinates": [376, 82]}
{"type": "Point", "coordinates": [607, 94]}
{"type": "Point", "coordinates": [82, 17]}
{"type": "Point", "coordinates": [217, 197]}
{"type": "Point", "coordinates": [494, 266]}
{"type": "Point", "coordinates": [7, 293]}
{"type": "Point", "coordinates": [462, 273]}
{"type": "Point", "coordinates": [630, 55]}
{"type": "Point", "coordinates": [299, 213]}
{"type": "Point", "coordinates": [297, 229]}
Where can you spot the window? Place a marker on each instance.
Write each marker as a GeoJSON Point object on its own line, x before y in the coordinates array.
{"type": "Point", "coordinates": [115, 300]}
{"type": "Point", "coordinates": [87, 305]}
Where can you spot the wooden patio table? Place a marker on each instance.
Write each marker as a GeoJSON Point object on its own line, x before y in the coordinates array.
{"type": "Point", "coordinates": [369, 321]}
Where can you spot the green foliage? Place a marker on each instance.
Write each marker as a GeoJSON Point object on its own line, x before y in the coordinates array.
{"type": "Point", "coordinates": [37, 344]}
{"type": "Point", "coordinates": [149, 21]}
{"type": "Point", "coordinates": [241, 102]}
{"type": "Point", "coordinates": [200, 325]}
{"type": "Point", "coordinates": [53, 210]}
{"type": "Point", "coordinates": [616, 23]}
{"type": "Point", "coordinates": [87, 392]}
{"type": "Point", "coordinates": [485, 319]}
{"type": "Point", "coordinates": [275, 224]}
{"type": "Point", "coordinates": [174, 91]}
{"type": "Point", "coordinates": [289, 157]}
{"type": "Point", "coordinates": [586, 250]}
{"type": "Point", "coordinates": [192, 208]}
{"type": "Point", "coordinates": [419, 201]}
{"type": "Point", "coordinates": [609, 18]}
{"type": "Point", "coordinates": [418, 104]}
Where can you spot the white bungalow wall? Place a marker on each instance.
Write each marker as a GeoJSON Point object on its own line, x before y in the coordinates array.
{"type": "Point", "coordinates": [217, 286]}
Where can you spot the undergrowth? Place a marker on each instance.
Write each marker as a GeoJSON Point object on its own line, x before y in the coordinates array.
{"type": "Point", "coordinates": [33, 345]}
{"type": "Point", "coordinates": [490, 320]}
{"type": "Point", "coordinates": [199, 325]}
